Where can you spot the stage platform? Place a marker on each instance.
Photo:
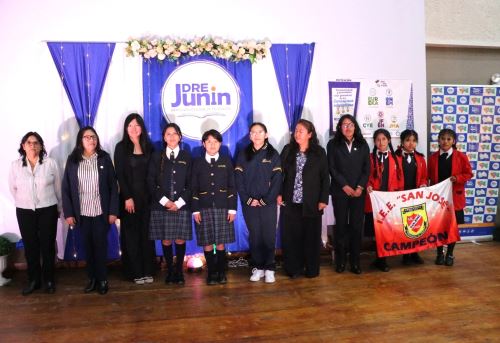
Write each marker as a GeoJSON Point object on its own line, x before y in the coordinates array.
{"type": "Point", "coordinates": [424, 303]}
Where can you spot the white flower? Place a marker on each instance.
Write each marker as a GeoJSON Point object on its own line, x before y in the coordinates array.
{"type": "Point", "coordinates": [183, 48]}
{"type": "Point", "coordinates": [161, 57]}
{"type": "Point", "coordinates": [135, 45]}
{"type": "Point", "coordinates": [228, 54]}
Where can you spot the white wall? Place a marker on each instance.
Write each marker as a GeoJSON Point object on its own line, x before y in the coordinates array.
{"type": "Point", "coordinates": [354, 39]}
{"type": "Point", "coordinates": [463, 23]}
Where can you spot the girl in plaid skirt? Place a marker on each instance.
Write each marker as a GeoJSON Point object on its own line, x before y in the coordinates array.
{"type": "Point", "coordinates": [169, 181]}
{"type": "Point", "coordinates": [214, 205]}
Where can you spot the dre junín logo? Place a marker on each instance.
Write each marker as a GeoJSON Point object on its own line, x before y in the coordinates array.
{"type": "Point", "coordinates": [199, 96]}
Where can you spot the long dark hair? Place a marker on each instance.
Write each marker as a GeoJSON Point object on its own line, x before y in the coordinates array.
{"type": "Point", "coordinates": [378, 164]}
{"type": "Point", "coordinates": [403, 136]}
{"type": "Point", "coordinates": [162, 153]}
{"type": "Point", "coordinates": [339, 136]}
{"type": "Point", "coordinates": [21, 151]}
{"type": "Point", "coordinates": [144, 140]}
{"type": "Point", "coordinates": [77, 154]}
{"type": "Point", "coordinates": [250, 151]}
{"type": "Point", "coordinates": [291, 155]}
{"type": "Point", "coordinates": [450, 132]}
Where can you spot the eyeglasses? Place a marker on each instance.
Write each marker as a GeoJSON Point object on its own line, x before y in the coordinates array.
{"type": "Point", "coordinates": [348, 126]}
{"type": "Point", "coordinates": [90, 138]}
{"type": "Point", "coordinates": [255, 133]}
{"type": "Point", "coordinates": [34, 143]}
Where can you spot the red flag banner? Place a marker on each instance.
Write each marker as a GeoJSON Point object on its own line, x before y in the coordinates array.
{"type": "Point", "coordinates": [414, 220]}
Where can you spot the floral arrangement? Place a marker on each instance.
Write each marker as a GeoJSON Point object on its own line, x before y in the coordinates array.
{"type": "Point", "coordinates": [172, 49]}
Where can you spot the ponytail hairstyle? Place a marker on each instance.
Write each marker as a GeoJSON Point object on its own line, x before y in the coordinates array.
{"type": "Point", "coordinates": [403, 136]}
{"type": "Point", "coordinates": [250, 152]}
{"type": "Point", "coordinates": [378, 164]}
{"type": "Point", "coordinates": [451, 133]}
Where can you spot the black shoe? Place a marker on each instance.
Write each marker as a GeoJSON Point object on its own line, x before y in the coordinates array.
{"type": "Point", "coordinates": [355, 269]}
{"type": "Point", "coordinates": [211, 279]}
{"type": "Point", "coordinates": [449, 260]}
{"type": "Point", "coordinates": [179, 278]}
{"type": "Point", "coordinates": [407, 259]}
{"type": "Point", "coordinates": [415, 257]}
{"type": "Point", "coordinates": [381, 265]}
{"type": "Point", "coordinates": [91, 286]}
{"type": "Point", "coordinates": [169, 279]}
{"type": "Point", "coordinates": [222, 279]}
{"type": "Point", "coordinates": [103, 287]}
{"type": "Point", "coordinates": [32, 286]}
{"type": "Point", "coordinates": [340, 268]}
{"type": "Point", "coordinates": [439, 259]}
{"type": "Point", "coordinates": [294, 276]}
{"type": "Point", "coordinates": [50, 288]}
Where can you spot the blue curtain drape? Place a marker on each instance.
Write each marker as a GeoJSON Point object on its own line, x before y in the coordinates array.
{"type": "Point", "coordinates": [154, 75]}
{"type": "Point", "coordinates": [83, 68]}
{"type": "Point", "coordinates": [292, 65]}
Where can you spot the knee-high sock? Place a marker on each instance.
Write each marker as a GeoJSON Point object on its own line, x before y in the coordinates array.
{"type": "Point", "coordinates": [180, 251]}
{"type": "Point", "coordinates": [449, 251]}
{"type": "Point", "coordinates": [168, 254]}
{"type": "Point", "coordinates": [221, 261]}
{"type": "Point", "coordinates": [440, 250]}
{"type": "Point", "coordinates": [209, 257]}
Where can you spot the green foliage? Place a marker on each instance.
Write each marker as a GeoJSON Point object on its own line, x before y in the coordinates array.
{"type": "Point", "coordinates": [6, 246]}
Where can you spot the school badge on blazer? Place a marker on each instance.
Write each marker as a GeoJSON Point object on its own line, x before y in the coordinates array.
{"type": "Point", "coordinates": [415, 221]}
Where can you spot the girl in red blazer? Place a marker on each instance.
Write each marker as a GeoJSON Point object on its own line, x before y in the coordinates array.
{"type": "Point", "coordinates": [414, 172]}
{"type": "Point", "coordinates": [448, 162]}
{"type": "Point", "coordinates": [385, 175]}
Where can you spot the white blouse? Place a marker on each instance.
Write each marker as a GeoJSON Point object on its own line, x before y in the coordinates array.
{"type": "Point", "coordinates": [37, 188]}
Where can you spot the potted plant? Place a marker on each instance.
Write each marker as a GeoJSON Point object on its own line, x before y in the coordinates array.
{"type": "Point", "coordinates": [5, 249]}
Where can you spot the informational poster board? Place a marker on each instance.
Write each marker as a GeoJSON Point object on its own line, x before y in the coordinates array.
{"type": "Point", "coordinates": [473, 112]}
{"type": "Point", "coordinates": [375, 104]}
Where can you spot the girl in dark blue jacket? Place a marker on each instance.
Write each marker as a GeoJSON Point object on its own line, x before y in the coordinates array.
{"type": "Point", "coordinates": [214, 205]}
{"type": "Point", "coordinates": [258, 180]}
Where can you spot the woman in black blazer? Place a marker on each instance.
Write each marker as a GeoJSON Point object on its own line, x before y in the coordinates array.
{"type": "Point", "coordinates": [90, 201]}
{"type": "Point", "coordinates": [349, 163]}
{"type": "Point", "coordinates": [132, 156]}
{"type": "Point", "coordinates": [304, 196]}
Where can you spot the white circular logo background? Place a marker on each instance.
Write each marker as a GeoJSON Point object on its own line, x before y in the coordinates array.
{"type": "Point", "coordinates": [199, 96]}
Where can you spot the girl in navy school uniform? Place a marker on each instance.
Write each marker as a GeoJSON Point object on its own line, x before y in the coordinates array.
{"type": "Point", "coordinates": [385, 175]}
{"type": "Point", "coordinates": [448, 162]}
{"type": "Point", "coordinates": [414, 174]}
{"type": "Point", "coordinates": [258, 180]}
{"type": "Point", "coordinates": [169, 182]}
{"type": "Point", "coordinates": [214, 205]}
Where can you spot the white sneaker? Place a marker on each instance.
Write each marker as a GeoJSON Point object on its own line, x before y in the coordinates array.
{"type": "Point", "coordinates": [148, 279]}
{"type": "Point", "coordinates": [139, 281]}
{"type": "Point", "coordinates": [257, 274]}
{"type": "Point", "coordinates": [269, 274]}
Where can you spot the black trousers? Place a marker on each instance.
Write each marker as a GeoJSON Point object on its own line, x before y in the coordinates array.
{"type": "Point", "coordinates": [94, 231]}
{"type": "Point", "coordinates": [301, 241]}
{"type": "Point", "coordinates": [140, 249]}
{"type": "Point", "coordinates": [38, 230]}
{"type": "Point", "coordinates": [261, 224]}
{"type": "Point", "coordinates": [349, 215]}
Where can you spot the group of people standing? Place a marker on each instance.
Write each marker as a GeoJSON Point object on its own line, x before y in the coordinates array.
{"type": "Point", "coordinates": [158, 194]}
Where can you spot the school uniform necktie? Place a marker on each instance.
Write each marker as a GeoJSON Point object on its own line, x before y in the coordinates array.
{"type": "Point", "coordinates": [409, 157]}
{"type": "Point", "coordinates": [172, 156]}
{"type": "Point", "coordinates": [212, 160]}
{"type": "Point", "coordinates": [443, 156]}
{"type": "Point", "coordinates": [382, 156]}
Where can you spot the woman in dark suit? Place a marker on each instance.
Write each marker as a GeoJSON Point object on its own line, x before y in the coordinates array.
{"type": "Point", "coordinates": [349, 164]}
{"type": "Point", "coordinates": [304, 196]}
{"type": "Point", "coordinates": [132, 156]}
{"type": "Point", "coordinates": [90, 200]}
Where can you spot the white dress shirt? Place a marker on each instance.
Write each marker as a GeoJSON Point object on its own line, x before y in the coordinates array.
{"type": "Point", "coordinates": [37, 188]}
{"type": "Point", "coordinates": [179, 202]}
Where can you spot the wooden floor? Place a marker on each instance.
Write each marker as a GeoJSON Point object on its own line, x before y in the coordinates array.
{"type": "Point", "coordinates": [426, 303]}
